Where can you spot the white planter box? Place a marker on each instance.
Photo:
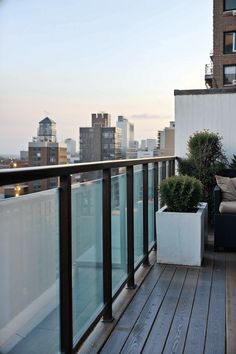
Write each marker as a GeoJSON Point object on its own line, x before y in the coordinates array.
{"type": "Point", "coordinates": [181, 236]}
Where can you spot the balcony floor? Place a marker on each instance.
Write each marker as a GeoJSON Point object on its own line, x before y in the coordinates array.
{"type": "Point", "coordinates": [178, 309]}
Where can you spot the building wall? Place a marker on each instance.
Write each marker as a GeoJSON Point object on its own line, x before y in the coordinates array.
{"type": "Point", "coordinates": [169, 146]}
{"type": "Point", "coordinates": [222, 22]}
{"type": "Point", "coordinates": [44, 154]}
{"type": "Point", "coordinates": [196, 110]}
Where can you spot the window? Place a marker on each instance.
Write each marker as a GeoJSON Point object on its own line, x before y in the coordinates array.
{"type": "Point", "coordinates": [229, 42]}
{"type": "Point", "coordinates": [229, 5]}
{"type": "Point", "coordinates": [229, 74]}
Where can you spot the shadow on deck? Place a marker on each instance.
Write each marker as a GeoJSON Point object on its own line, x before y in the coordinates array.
{"type": "Point", "coordinates": [176, 309]}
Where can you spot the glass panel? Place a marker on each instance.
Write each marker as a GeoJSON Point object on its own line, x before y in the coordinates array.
{"type": "Point", "coordinates": [230, 5]}
{"type": "Point", "coordinates": [119, 230]}
{"type": "Point", "coordinates": [138, 213]}
{"type": "Point", "coordinates": [29, 274]}
{"type": "Point", "coordinates": [86, 253]}
{"type": "Point", "coordinates": [150, 204]}
{"type": "Point", "coordinates": [229, 74]}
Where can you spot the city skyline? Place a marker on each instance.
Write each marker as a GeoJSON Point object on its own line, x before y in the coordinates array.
{"type": "Point", "coordinates": [67, 60]}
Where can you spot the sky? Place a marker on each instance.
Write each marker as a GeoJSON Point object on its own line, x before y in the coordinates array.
{"type": "Point", "coordinates": [67, 59]}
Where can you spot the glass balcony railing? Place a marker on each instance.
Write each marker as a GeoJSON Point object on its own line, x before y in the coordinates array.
{"type": "Point", "coordinates": [66, 253]}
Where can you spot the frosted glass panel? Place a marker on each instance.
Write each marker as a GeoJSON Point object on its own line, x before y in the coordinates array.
{"type": "Point", "coordinates": [87, 253]}
{"type": "Point", "coordinates": [29, 270]}
{"type": "Point", "coordinates": [138, 213]}
{"type": "Point", "coordinates": [119, 230]}
{"type": "Point", "coordinates": [150, 204]}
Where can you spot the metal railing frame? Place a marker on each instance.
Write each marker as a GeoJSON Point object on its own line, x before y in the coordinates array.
{"type": "Point", "coordinates": [68, 344]}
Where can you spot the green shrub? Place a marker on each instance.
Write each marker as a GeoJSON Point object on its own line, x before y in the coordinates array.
{"type": "Point", "coordinates": [206, 158]}
{"type": "Point", "coordinates": [181, 193]}
{"type": "Point", "coordinates": [233, 162]}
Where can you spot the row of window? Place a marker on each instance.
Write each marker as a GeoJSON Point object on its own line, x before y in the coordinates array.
{"type": "Point", "coordinates": [229, 5]}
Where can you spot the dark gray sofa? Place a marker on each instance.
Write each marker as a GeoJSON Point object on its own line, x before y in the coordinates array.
{"type": "Point", "coordinates": [224, 223]}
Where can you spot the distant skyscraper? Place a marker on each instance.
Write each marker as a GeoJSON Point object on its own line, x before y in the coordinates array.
{"type": "Point", "coordinates": [100, 142]}
{"type": "Point", "coordinates": [143, 145]}
{"type": "Point", "coordinates": [166, 140]}
{"type": "Point", "coordinates": [24, 155]}
{"type": "Point", "coordinates": [45, 150]}
{"type": "Point", "coordinates": [127, 135]}
{"type": "Point", "coordinates": [71, 148]}
{"type": "Point", "coordinates": [101, 119]}
{"type": "Point", "coordinates": [151, 144]}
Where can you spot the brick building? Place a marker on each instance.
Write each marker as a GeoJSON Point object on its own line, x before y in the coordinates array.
{"type": "Point", "coordinates": [224, 45]}
{"type": "Point", "coordinates": [45, 150]}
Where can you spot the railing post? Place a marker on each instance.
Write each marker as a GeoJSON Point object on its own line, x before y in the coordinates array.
{"type": "Point", "coordinates": [170, 168]}
{"type": "Point", "coordinates": [173, 167]}
{"type": "Point", "coordinates": [130, 227]}
{"type": "Point", "coordinates": [107, 257]}
{"type": "Point", "coordinates": [145, 215]}
{"type": "Point", "coordinates": [156, 197]}
{"type": "Point", "coordinates": [66, 317]}
{"type": "Point", "coordinates": [163, 170]}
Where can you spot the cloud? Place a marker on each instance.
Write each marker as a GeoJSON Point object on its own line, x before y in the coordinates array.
{"type": "Point", "coordinates": [146, 116]}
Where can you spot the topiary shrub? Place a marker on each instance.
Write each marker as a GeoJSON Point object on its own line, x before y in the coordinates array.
{"type": "Point", "coordinates": [181, 193]}
{"type": "Point", "coordinates": [205, 159]}
{"type": "Point", "coordinates": [233, 162]}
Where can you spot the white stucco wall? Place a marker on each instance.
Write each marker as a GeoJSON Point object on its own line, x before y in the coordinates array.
{"type": "Point", "coordinates": [195, 112]}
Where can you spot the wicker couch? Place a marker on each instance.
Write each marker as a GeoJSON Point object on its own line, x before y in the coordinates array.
{"type": "Point", "coordinates": [224, 223]}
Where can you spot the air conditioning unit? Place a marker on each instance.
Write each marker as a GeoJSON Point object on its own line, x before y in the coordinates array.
{"type": "Point", "coordinates": [233, 82]}
{"type": "Point", "coordinates": [234, 12]}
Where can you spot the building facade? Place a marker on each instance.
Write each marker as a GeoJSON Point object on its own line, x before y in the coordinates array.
{"type": "Point", "coordinates": [71, 148]}
{"type": "Point", "coordinates": [127, 135]}
{"type": "Point", "coordinates": [45, 150]}
{"type": "Point", "coordinates": [223, 58]}
{"type": "Point", "coordinates": [166, 140]}
{"type": "Point", "coordinates": [101, 141]}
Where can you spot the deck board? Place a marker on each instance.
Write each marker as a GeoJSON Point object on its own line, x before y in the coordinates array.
{"type": "Point", "coordinates": [215, 336]}
{"type": "Point", "coordinates": [176, 338]}
{"type": "Point", "coordinates": [230, 304]}
{"type": "Point", "coordinates": [126, 323]}
{"type": "Point", "coordinates": [195, 340]}
{"type": "Point", "coordinates": [163, 321]}
{"type": "Point", "coordinates": [186, 312]}
{"type": "Point", "coordinates": [145, 321]}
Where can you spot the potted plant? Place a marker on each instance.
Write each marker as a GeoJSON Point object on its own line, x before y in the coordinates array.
{"type": "Point", "coordinates": [205, 159]}
{"type": "Point", "coordinates": [182, 221]}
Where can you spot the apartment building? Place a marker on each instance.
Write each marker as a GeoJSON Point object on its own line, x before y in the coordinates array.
{"type": "Point", "coordinates": [45, 150]}
{"type": "Point", "coordinates": [222, 73]}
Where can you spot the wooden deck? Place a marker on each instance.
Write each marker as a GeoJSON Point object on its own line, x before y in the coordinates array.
{"type": "Point", "coordinates": [177, 309]}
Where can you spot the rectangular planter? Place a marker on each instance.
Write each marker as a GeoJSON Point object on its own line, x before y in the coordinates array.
{"type": "Point", "coordinates": [181, 236]}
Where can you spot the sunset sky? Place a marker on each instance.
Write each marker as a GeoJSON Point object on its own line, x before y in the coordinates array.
{"type": "Point", "coordinates": [67, 59]}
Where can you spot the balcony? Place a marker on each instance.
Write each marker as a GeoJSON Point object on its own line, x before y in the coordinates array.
{"type": "Point", "coordinates": [209, 75]}
{"type": "Point", "coordinates": [72, 256]}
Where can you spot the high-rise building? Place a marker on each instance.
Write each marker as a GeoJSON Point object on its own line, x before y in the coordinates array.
{"type": "Point", "coordinates": [151, 144]}
{"type": "Point", "coordinates": [101, 141]}
{"type": "Point", "coordinates": [221, 73]}
{"type": "Point", "coordinates": [166, 140]}
{"type": "Point", "coordinates": [101, 119]}
{"type": "Point", "coordinates": [24, 155]}
{"type": "Point", "coordinates": [71, 148]}
{"type": "Point", "coordinates": [45, 150]}
{"type": "Point", "coordinates": [127, 135]}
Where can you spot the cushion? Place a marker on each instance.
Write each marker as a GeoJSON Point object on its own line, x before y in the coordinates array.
{"type": "Point", "coordinates": [228, 207]}
{"type": "Point", "coordinates": [228, 187]}
{"type": "Point", "coordinates": [234, 181]}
